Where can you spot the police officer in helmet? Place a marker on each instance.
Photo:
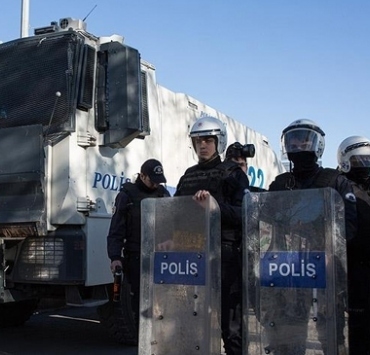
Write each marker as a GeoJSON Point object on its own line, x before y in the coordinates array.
{"type": "Point", "coordinates": [303, 142]}
{"type": "Point", "coordinates": [226, 182]}
{"type": "Point", "coordinates": [354, 162]}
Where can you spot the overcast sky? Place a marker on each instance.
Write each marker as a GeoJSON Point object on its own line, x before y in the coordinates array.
{"type": "Point", "coordinates": [264, 63]}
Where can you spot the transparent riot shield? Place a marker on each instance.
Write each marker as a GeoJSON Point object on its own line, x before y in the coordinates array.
{"type": "Point", "coordinates": [181, 277]}
{"type": "Point", "coordinates": [295, 273]}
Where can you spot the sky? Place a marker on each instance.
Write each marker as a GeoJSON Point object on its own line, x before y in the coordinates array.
{"type": "Point", "coordinates": [265, 63]}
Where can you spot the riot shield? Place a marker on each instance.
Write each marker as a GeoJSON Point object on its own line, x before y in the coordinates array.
{"type": "Point", "coordinates": [295, 273]}
{"type": "Point", "coordinates": [181, 277]}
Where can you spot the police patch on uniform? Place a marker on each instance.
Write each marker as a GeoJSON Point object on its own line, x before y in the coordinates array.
{"type": "Point", "coordinates": [350, 197]}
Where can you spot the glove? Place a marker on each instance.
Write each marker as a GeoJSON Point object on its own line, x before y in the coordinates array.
{"type": "Point", "coordinates": [114, 264]}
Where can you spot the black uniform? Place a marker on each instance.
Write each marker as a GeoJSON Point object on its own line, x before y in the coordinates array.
{"type": "Point", "coordinates": [317, 177]}
{"type": "Point", "coordinates": [358, 257]}
{"type": "Point", "coordinates": [125, 232]}
{"type": "Point", "coordinates": [226, 182]}
{"type": "Point", "coordinates": [323, 177]}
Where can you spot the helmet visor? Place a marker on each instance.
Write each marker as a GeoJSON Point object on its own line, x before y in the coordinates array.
{"type": "Point", "coordinates": [360, 161]}
{"type": "Point", "coordinates": [299, 140]}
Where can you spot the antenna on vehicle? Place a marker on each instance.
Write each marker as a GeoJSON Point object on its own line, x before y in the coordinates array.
{"type": "Point", "coordinates": [25, 18]}
{"type": "Point", "coordinates": [89, 13]}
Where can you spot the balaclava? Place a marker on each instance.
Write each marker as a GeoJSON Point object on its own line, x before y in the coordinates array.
{"type": "Point", "coordinates": [305, 163]}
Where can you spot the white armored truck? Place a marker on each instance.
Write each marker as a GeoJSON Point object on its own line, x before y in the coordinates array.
{"type": "Point", "coordinates": [79, 114]}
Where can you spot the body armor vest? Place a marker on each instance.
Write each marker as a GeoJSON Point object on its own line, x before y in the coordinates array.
{"type": "Point", "coordinates": [212, 180]}
{"type": "Point", "coordinates": [326, 177]}
{"type": "Point", "coordinates": [206, 179]}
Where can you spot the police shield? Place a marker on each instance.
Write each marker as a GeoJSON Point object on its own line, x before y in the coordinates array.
{"type": "Point", "coordinates": [294, 273]}
{"type": "Point", "coordinates": [180, 284]}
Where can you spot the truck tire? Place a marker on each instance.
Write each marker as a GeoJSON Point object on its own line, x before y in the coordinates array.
{"type": "Point", "coordinates": [119, 319]}
{"type": "Point", "coordinates": [14, 314]}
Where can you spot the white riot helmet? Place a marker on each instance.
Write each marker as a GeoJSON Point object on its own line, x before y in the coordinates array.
{"type": "Point", "coordinates": [353, 152]}
{"type": "Point", "coordinates": [210, 126]}
{"type": "Point", "coordinates": [303, 135]}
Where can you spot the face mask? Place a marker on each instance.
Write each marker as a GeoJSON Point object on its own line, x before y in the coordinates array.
{"type": "Point", "coordinates": [304, 162]}
{"type": "Point", "coordinates": [359, 175]}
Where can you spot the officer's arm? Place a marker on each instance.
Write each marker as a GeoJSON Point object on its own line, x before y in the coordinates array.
{"type": "Point", "coordinates": [117, 227]}
{"type": "Point", "coordinates": [231, 208]}
{"type": "Point", "coordinates": [344, 187]}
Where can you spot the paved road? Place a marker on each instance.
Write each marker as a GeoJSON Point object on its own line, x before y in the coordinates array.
{"type": "Point", "coordinates": [69, 331]}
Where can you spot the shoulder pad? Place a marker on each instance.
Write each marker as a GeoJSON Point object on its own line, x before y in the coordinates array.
{"type": "Point", "coordinates": [127, 187]}
{"type": "Point", "coordinates": [192, 168]}
{"type": "Point", "coordinates": [327, 177]}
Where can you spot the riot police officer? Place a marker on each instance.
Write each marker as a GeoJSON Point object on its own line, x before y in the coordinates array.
{"type": "Point", "coordinates": [354, 162]}
{"type": "Point", "coordinates": [226, 182]}
{"type": "Point", "coordinates": [125, 233]}
{"type": "Point", "coordinates": [303, 142]}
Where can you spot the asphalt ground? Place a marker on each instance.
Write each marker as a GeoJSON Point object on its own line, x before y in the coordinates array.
{"type": "Point", "coordinates": [61, 330]}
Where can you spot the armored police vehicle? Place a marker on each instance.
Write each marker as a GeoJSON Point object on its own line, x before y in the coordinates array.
{"type": "Point", "coordinates": [79, 114]}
